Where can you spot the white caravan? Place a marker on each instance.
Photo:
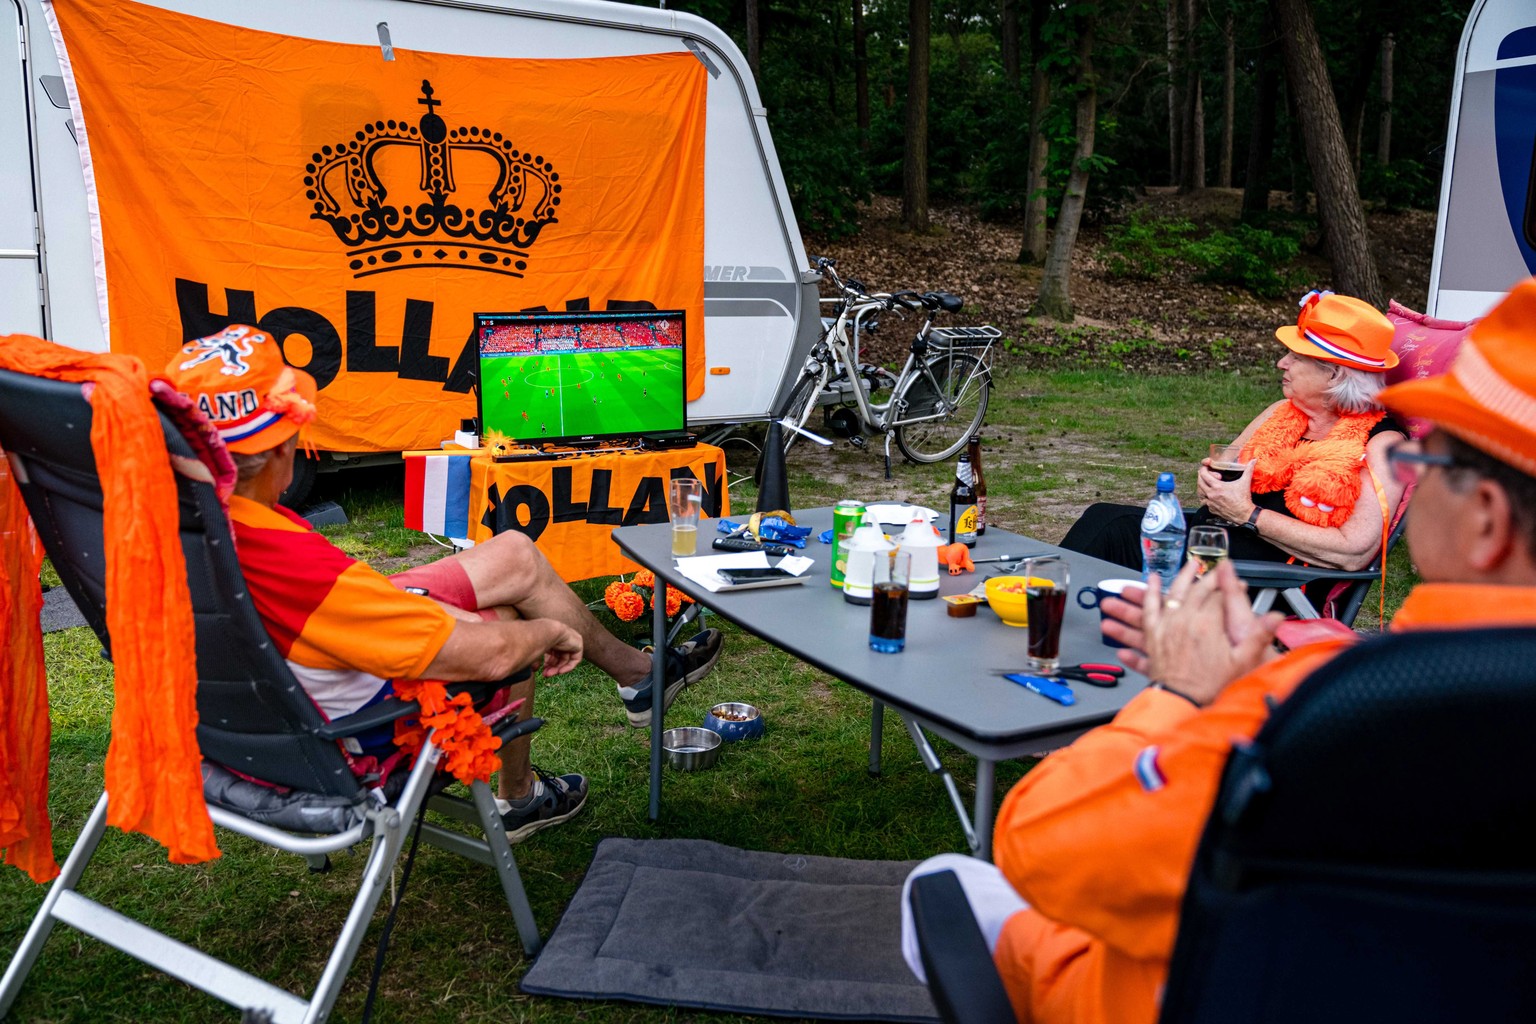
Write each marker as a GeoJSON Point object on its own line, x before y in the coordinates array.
{"type": "Point", "coordinates": [760, 304]}
{"type": "Point", "coordinates": [1485, 241]}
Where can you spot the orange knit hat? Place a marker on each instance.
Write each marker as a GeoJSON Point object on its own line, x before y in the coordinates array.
{"type": "Point", "coordinates": [1340, 329]}
{"type": "Point", "coordinates": [1488, 396]}
{"type": "Point", "coordinates": [240, 382]}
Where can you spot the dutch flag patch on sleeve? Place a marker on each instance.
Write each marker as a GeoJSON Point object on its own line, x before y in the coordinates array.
{"type": "Point", "coordinates": [1147, 771]}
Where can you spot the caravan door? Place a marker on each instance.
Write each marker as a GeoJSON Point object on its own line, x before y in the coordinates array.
{"type": "Point", "coordinates": [20, 268]}
{"type": "Point", "coordinates": [1486, 240]}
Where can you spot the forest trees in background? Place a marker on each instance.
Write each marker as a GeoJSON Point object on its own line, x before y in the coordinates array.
{"type": "Point", "coordinates": [835, 77]}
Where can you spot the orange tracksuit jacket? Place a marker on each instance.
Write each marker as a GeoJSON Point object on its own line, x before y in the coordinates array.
{"type": "Point", "coordinates": [1099, 838]}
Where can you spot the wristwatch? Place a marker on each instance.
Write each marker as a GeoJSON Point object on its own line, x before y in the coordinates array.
{"type": "Point", "coordinates": [1253, 519]}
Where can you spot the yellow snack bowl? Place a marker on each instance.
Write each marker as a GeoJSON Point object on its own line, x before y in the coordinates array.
{"type": "Point", "coordinates": [1005, 594]}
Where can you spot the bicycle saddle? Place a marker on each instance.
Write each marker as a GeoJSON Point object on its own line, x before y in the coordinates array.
{"type": "Point", "coordinates": [944, 300]}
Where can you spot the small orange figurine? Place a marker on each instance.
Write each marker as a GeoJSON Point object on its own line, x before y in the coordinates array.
{"type": "Point", "coordinates": [958, 557]}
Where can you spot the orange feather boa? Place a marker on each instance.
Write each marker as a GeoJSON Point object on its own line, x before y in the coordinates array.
{"type": "Point", "coordinates": [1321, 479]}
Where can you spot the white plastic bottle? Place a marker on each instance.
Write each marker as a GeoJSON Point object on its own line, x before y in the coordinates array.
{"type": "Point", "coordinates": [1162, 533]}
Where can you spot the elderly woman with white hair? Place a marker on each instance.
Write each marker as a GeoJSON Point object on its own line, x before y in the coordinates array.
{"type": "Point", "coordinates": [1315, 487]}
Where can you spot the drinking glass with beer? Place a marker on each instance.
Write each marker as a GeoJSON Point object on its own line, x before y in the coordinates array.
{"type": "Point", "coordinates": [1208, 545]}
{"type": "Point", "coordinates": [1227, 460]}
{"type": "Point", "coordinates": [888, 609]}
{"type": "Point", "coordinates": [685, 503]}
{"type": "Point", "coordinates": [1046, 602]}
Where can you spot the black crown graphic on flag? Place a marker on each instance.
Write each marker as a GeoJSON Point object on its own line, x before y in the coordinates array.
{"type": "Point", "coordinates": [389, 222]}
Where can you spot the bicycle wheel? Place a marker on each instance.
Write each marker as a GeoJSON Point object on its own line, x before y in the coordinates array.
{"type": "Point", "coordinates": [797, 408]}
{"type": "Point", "coordinates": [964, 382]}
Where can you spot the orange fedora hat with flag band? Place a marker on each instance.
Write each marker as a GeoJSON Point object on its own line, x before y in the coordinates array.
{"type": "Point", "coordinates": [1340, 329]}
{"type": "Point", "coordinates": [238, 379]}
{"type": "Point", "coordinates": [1488, 396]}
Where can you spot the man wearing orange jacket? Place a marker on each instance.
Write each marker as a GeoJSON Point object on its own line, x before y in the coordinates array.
{"type": "Point", "coordinates": [1097, 841]}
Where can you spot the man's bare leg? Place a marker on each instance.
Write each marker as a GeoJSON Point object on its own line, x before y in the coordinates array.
{"type": "Point", "coordinates": [516, 777]}
{"type": "Point", "coordinates": [509, 570]}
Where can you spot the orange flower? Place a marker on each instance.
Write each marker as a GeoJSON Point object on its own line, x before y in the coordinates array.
{"type": "Point", "coordinates": [674, 601]}
{"type": "Point", "coordinates": [644, 578]}
{"type": "Point", "coordinates": [613, 590]}
{"type": "Point", "coordinates": [468, 746]}
{"type": "Point", "coordinates": [628, 606]}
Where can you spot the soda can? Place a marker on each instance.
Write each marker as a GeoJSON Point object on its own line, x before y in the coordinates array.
{"type": "Point", "coordinates": [846, 516]}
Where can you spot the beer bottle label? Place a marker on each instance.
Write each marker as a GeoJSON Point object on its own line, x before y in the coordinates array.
{"type": "Point", "coordinates": [965, 523]}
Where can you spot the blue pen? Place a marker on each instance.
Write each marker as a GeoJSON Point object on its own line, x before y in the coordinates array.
{"type": "Point", "coordinates": [1047, 688]}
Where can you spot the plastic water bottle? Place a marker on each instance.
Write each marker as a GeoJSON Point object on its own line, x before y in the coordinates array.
{"type": "Point", "coordinates": [1162, 533]}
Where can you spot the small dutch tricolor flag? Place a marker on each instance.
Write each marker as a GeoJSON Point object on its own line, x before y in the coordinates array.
{"type": "Point", "coordinates": [437, 494]}
{"type": "Point", "coordinates": [1147, 771]}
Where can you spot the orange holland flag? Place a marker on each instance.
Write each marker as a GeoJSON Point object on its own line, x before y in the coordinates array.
{"type": "Point", "coordinates": [362, 210]}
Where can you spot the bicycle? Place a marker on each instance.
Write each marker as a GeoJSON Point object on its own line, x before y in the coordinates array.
{"type": "Point", "coordinates": [936, 402]}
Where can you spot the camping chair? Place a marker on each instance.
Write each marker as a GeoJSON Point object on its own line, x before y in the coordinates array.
{"type": "Point", "coordinates": [1362, 860]}
{"type": "Point", "coordinates": [253, 717]}
{"type": "Point", "coordinates": [961, 977]}
{"type": "Point", "coordinates": [1340, 592]}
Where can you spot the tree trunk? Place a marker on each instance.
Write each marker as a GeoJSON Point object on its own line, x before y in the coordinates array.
{"type": "Point", "coordinates": [1296, 150]}
{"type": "Point", "coordinates": [1056, 282]}
{"type": "Point", "coordinates": [1192, 162]}
{"type": "Point", "coordinates": [1175, 93]}
{"type": "Point", "coordinates": [1228, 102]}
{"type": "Point", "coordinates": [1033, 248]}
{"type": "Point", "coordinates": [1261, 143]}
{"type": "Point", "coordinates": [1384, 137]}
{"type": "Point", "coordinates": [914, 190]}
{"type": "Point", "coordinates": [860, 74]}
{"type": "Point", "coordinates": [1338, 196]}
{"type": "Point", "coordinates": [754, 40]}
{"type": "Point", "coordinates": [1008, 32]}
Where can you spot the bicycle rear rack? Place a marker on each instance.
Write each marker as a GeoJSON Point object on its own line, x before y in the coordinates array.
{"type": "Point", "coordinates": [964, 337]}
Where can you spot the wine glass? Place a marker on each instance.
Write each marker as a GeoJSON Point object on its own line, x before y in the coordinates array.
{"type": "Point", "coordinates": [1208, 545]}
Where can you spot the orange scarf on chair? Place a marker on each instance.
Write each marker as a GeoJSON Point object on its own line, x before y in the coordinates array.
{"type": "Point", "coordinates": [1321, 479]}
{"type": "Point", "coordinates": [153, 771]}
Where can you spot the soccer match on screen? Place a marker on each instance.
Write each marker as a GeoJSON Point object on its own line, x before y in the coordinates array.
{"type": "Point", "coordinates": [593, 377]}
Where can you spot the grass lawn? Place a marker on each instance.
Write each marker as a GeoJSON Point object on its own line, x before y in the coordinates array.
{"type": "Point", "coordinates": [1054, 442]}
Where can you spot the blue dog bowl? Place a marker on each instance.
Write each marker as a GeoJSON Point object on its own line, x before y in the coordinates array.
{"type": "Point", "coordinates": [735, 721]}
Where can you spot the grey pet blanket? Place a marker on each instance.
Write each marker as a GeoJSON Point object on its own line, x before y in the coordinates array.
{"type": "Point", "coordinates": [688, 922]}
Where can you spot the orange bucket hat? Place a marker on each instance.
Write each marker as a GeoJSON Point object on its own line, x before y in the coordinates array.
{"type": "Point", "coordinates": [238, 379]}
{"type": "Point", "coordinates": [1340, 329]}
{"type": "Point", "coordinates": [1488, 396]}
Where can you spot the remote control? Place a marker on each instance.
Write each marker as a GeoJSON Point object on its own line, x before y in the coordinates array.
{"type": "Point", "coordinates": [743, 544]}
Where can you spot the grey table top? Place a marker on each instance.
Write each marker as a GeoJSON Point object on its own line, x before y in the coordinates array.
{"type": "Point", "coordinates": [945, 674]}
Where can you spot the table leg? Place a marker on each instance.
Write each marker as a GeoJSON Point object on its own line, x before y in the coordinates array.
{"type": "Point", "coordinates": [876, 731]}
{"type": "Point", "coordinates": [658, 688]}
{"type": "Point", "coordinates": [986, 781]}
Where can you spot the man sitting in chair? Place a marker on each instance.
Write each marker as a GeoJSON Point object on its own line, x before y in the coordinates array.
{"type": "Point", "coordinates": [346, 630]}
{"type": "Point", "coordinates": [1095, 845]}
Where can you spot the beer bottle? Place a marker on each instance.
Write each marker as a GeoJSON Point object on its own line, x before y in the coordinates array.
{"type": "Point", "coordinates": [962, 505]}
{"type": "Point", "coordinates": [980, 485]}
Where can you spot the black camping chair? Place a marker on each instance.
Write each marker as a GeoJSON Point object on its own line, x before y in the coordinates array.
{"type": "Point", "coordinates": [253, 716]}
{"type": "Point", "coordinates": [961, 976]}
{"type": "Point", "coordinates": [1363, 859]}
{"type": "Point", "coordinates": [1339, 592]}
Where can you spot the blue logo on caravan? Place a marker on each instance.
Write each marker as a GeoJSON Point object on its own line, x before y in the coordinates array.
{"type": "Point", "coordinates": [1514, 123]}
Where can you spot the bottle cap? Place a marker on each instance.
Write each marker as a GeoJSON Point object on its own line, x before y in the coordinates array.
{"type": "Point", "coordinates": [1165, 483]}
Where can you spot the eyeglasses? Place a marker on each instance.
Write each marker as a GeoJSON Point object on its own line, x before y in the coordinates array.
{"type": "Point", "coordinates": [1409, 461]}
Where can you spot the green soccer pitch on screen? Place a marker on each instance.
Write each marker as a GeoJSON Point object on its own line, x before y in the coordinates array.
{"type": "Point", "coordinates": [575, 377]}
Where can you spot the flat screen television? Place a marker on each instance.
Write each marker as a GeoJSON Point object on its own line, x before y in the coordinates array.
{"type": "Point", "coordinates": [574, 378]}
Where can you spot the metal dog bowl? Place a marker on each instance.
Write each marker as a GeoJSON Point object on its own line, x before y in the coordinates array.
{"type": "Point", "coordinates": [691, 748]}
{"type": "Point", "coordinates": [735, 721]}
